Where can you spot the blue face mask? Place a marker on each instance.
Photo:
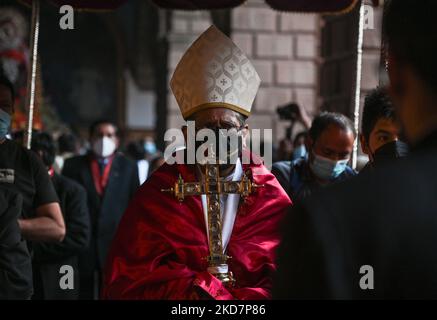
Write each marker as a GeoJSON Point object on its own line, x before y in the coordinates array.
{"type": "Point", "coordinates": [327, 169]}
{"type": "Point", "coordinates": [5, 123]}
{"type": "Point", "coordinates": [150, 147]}
{"type": "Point", "coordinates": [299, 152]}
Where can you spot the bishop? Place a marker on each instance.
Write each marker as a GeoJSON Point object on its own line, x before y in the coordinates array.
{"type": "Point", "coordinates": [214, 233]}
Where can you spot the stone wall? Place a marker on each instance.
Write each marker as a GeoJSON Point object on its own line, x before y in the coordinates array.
{"type": "Point", "coordinates": [339, 54]}
{"type": "Point", "coordinates": [339, 49]}
{"type": "Point", "coordinates": [186, 26]}
{"type": "Point", "coordinates": [284, 48]}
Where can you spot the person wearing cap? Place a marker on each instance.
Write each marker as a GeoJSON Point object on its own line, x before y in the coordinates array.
{"type": "Point", "coordinates": [161, 245]}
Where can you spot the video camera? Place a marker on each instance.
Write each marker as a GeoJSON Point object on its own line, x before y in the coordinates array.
{"type": "Point", "coordinates": [289, 111]}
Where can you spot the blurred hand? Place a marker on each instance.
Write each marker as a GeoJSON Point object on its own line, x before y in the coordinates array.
{"type": "Point", "coordinates": [303, 116]}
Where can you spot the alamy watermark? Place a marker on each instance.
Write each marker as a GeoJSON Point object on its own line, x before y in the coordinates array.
{"type": "Point", "coordinates": [368, 18]}
{"type": "Point", "coordinates": [219, 146]}
{"type": "Point", "coordinates": [66, 281]}
{"type": "Point", "coordinates": [66, 22]}
{"type": "Point", "coordinates": [367, 281]}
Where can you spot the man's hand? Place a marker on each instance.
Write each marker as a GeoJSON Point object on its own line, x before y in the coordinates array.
{"type": "Point", "coordinates": [47, 226]}
{"type": "Point", "coordinates": [303, 116]}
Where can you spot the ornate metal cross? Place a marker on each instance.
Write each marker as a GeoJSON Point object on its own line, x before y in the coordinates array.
{"type": "Point", "coordinates": [213, 186]}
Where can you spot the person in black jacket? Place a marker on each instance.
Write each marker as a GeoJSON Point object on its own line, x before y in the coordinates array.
{"type": "Point", "coordinates": [50, 257]}
{"type": "Point", "coordinates": [15, 262]}
{"type": "Point", "coordinates": [380, 240]}
{"type": "Point", "coordinates": [23, 172]}
{"type": "Point", "coordinates": [110, 180]}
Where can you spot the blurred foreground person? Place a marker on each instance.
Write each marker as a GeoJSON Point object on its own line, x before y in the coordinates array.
{"type": "Point", "coordinates": [136, 151]}
{"type": "Point", "coordinates": [380, 132]}
{"type": "Point", "coordinates": [15, 262]}
{"type": "Point", "coordinates": [23, 172]}
{"type": "Point", "coordinates": [330, 142]}
{"type": "Point", "coordinates": [299, 148]}
{"type": "Point", "coordinates": [167, 249]}
{"type": "Point", "coordinates": [48, 258]}
{"type": "Point", "coordinates": [110, 180]}
{"type": "Point", "coordinates": [68, 147]}
{"type": "Point", "coordinates": [380, 241]}
{"type": "Point", "coordinates": [296, 114]}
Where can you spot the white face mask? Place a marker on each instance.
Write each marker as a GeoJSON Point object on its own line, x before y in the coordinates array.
{"type": "Point", "coordinates": [104, 147]}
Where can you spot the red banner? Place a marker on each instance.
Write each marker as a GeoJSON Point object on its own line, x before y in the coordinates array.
{"type": "Point", "coordinates": [93, 5]}
{"type": "Point", "coordinates": [198, 4]}
{"type": "Point", "coordinates": [319, 6]}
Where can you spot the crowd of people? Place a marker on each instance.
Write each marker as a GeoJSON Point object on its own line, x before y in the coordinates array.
{"type": "Point", "coordinates": [67, 204]}
{"type": "Point", "coordinates": [311, 224]}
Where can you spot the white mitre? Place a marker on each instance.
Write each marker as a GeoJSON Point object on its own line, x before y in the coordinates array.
{"type": "Point", "coordinates": [214, 72]}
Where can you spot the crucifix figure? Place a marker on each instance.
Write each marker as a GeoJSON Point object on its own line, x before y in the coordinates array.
{"type": "Point", "coordinates": [213, 186]}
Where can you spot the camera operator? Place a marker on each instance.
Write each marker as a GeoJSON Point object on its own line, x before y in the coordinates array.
{"type": "Point", "coordinates": [294, 113]}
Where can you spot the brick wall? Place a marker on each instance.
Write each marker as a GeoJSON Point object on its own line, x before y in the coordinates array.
{"type": "Point", "coordinates": [284, 47]}
{"type": "Point", "coordinates": [186, 26]}
{"type": "Point", "coordinates": [339, 54]}
{"type": "Point", "coordinates": [339, 48]}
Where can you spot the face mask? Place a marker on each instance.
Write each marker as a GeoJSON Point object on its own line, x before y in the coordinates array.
{"type": "Point", "coordinates": [390, 151]}
{"type": "Point", "coordinates": [299, 152]}
{"type": "Point", "coordinates": [150, 147]}
{"type": "Point", "coordinates": [327, 169]}
{"type": "Point", "coordinates": [5, 123]}
{"type": "Point", "coordinates": [104, 147]}
{"type": "Point", "coordinates": [232, 152]}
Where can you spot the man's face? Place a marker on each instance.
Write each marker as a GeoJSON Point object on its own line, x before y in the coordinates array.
{"type": "Point", "coordinates": [216, 117]}
{"type": "Point", "coordinates": [384, 131]}
{"type": "Point", "coordinates": [334, 143]}
{"type": "Point", "coordinates": [222, 118]}
{"type": "Point", "coordinates": [105, 130]}
{"type": "Point", "coordinates": [6, 101]}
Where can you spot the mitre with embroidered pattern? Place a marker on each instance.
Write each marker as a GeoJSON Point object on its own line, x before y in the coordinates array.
{"type": "Point", "coordinates": [214, 72]}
